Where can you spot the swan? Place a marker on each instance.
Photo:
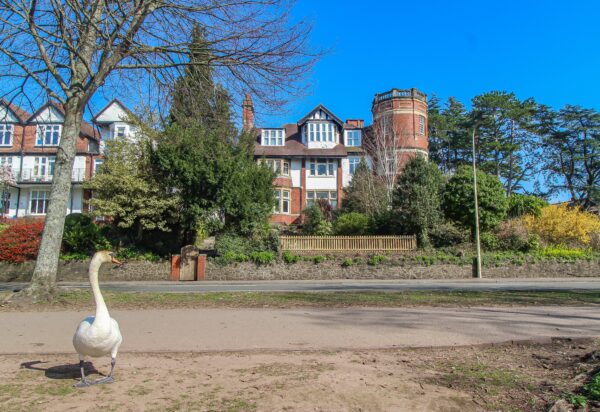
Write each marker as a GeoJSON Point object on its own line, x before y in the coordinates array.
{"type": "Point", "coordinates": [98, 335]}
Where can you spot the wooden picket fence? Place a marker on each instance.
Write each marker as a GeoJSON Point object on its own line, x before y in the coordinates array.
{"type": "Point", "coordinates": [348, 243]}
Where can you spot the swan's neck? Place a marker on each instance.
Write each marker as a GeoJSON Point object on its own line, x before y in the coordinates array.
{"type": "Point", "coordinates": [101, 310]}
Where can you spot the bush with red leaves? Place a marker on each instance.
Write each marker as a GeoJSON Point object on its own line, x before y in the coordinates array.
{"type": "Point", "coordinates": [20, 241]}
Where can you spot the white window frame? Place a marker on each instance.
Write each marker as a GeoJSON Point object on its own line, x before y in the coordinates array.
{"type": "Point", "coordinates": [42, 196]}
{"type": "Point", "coordinates": [321, 132]}
{"type": "Point", "coordinates": [353, 138]}
{"type": "Point", "coordinates": [330, 195]}
{"type": "Point", "coordinates": [353, 163]}
{"type": "Point", "coordinates": [6, 129]}
{"type": "Point", "coordinates": [281, 167]}
{"type": "Point", "coordinates": [6, 160]}
{"type": "Point", "coordinates": [43, 166]}
{"type": "Point", "coordinates": [272, 137]}
{"type": "Point", "coordinates": [97, 164]}
{"type": "Point", "coordinates": [315, 166]}
{"type": "Point", "coordinates": [421, 125]}
{"type": "Point", "coordinates": [283, 201]}
{"type": "Point", "coordinates": [42, 134]}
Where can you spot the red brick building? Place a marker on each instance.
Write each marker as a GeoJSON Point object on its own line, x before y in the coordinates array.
{"type": "Point", "coordinates": [315, 157]}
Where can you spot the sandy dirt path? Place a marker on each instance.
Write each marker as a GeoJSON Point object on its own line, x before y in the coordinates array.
{"type": "Point", "coordinates": [198, 330]}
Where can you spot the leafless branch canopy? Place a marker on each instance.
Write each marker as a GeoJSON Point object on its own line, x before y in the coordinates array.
{"type": "Point", "coordinates": [67, 48]}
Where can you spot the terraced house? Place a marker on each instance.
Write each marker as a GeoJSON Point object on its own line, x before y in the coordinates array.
{"type": "Point", "coordinates": [316, 157]}
{"type": "Point", "coordinates": [28, 146]}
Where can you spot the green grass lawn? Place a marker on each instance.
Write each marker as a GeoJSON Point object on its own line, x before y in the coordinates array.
{"type": "Point", "coordinates": [133, 300]}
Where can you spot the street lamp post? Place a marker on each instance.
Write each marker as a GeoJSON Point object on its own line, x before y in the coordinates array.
{"type": "Point", "coordinates": [477, 273]}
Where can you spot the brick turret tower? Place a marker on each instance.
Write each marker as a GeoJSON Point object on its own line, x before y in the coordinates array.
{"type": "Point", "coordinates": [400, 124]}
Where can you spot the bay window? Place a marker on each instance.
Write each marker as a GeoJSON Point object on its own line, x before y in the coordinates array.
{"type": "Point", "coordinates": [320, 132]}
{"type": "Point", "coordinates": [282, 201]}
{"type": "Point", "coordinates": [322, 167]}
{"type": "Point", "coordinates": [48, 134]}
{"type": "Point", "coordinates": [38, 203]}
{"type": "Point", "coordinates": [313, 196]}
{"type": "Point", "coordinates": [6, 134]}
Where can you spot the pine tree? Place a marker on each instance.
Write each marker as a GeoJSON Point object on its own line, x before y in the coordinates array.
{"type": "Point", "coordinates": [196, 98]}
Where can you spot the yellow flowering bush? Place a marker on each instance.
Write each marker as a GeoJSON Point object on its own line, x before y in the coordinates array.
{"type": "Point", "coordinates": [561, 224]}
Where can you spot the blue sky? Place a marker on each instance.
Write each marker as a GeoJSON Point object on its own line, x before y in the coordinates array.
{"type": "Point", "coordinates": [548, 50]}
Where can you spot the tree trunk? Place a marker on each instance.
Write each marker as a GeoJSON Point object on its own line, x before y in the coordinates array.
{"type": "Point", "coordinates": [46, 266]}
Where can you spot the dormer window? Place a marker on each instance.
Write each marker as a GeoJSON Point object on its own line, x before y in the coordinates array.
{"type": "Point", "coordinates": [48, 134]}
{"type": "Point", "coordinates": [272, 137]}
{"type": "Point", "coordinates": [6, 133]}
{"type": "Point", "coordinates": [321, 132]}
{"type": "Point", "coordinates": [353, 138]}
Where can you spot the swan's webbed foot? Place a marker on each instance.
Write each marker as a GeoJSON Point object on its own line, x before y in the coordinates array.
{"type": "Point", "coordinates": [83, 383]}
{"type": "Point", "coordinates": [108, 379]}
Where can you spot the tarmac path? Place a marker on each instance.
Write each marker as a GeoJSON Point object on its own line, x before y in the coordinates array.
{"type": "Point", "coordinates": [206, 330]}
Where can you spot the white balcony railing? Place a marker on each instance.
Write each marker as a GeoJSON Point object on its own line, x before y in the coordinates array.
{"type": "Point", "coordinates": [29, 175]}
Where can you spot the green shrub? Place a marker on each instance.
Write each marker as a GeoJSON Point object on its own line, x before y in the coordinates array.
{"type": "Point", "coordinates": [262, 258]}
{"type": "Point", "coordinates": [351, 224]}
{"type": "Point", "coordinates": [315, 222]}
{"type": "Point", "coordinates": [592, 389]}
{"type": "Point", "coordinates": [375, 260]}
{"type": "Point", "coordinates": [232, 257]}
{"type": "Point", "coordinates": [359, 261]}
{"type": "Point", "coordinates": [347, 263]}
{"type": "Point", "coordinates": [448, 234]}
{"type": "Point", "coordinates": [318, 259]}
{"type": "Point", "coordinates": [82, 235]}
{"type": "Point", "coordinates": [70, 257]}
{"type": "Point", "coordinates": [559, 252]}
{"type": "Point", "coordinates": [289, 258]}
{"type": "Point", "coordinates": [133, 253]}
{"type": "Point", "coordinates": [489, 241]}
{"type": "Point", "coordinates": [521, 205]}
{"type": "Point", "coordinates": [232, 244]}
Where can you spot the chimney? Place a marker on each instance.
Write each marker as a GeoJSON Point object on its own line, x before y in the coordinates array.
{"type": "Point", "coordinates": [247, 113]}
{"type": "Point", "coordinates": [358, 123]}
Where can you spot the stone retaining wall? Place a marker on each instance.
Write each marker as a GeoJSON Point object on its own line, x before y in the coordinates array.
{"type": "Point", "coordinates": [160, 271]}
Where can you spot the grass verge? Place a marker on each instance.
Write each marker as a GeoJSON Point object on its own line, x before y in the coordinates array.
{"type": "Point", "coordinates": [74, 299]}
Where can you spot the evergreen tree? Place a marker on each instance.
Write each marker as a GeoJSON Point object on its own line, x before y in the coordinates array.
{"type": "Point", "coordinates": [506, 144]}
{"type": "Point", "coordinates": [571, 160]}
{"type": "Point", "coordinates": [220, 185]}
{"type": "Point", "coordinates": [458, 202]}
{"type": "Point", "coordinates": [417, 199]}
{"type": "Point", "coordinates": [195, 97]}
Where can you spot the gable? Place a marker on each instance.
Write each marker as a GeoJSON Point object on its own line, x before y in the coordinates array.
{"type": "Point", "coordinates": [49, 114]}
{"type": "Point", "coordinates": [320, 113]}
{"type": "Point", "coordinates": [113, 112]}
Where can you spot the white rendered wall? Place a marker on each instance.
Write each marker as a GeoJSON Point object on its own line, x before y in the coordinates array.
{"type": "Point", "coordinates": [296, 172]}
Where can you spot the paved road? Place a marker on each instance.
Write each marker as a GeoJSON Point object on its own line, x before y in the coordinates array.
{"type": "Point", "coordinates": [292, 329]}
{"type": "Point", "coordinates": [336, 285]}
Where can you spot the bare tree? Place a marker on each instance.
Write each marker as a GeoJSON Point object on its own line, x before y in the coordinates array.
{"type": "Point", "coordinates": [384, 145]}
{"type": "Point", "coordinates": [67, 50]}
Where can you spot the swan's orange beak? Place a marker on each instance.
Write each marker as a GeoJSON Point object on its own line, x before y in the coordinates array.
{"type": "Point", "coordinates": [116, 261]}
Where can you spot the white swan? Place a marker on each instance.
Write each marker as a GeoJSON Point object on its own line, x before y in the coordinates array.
{"type": "Point", "coordinates": [97, 335]}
